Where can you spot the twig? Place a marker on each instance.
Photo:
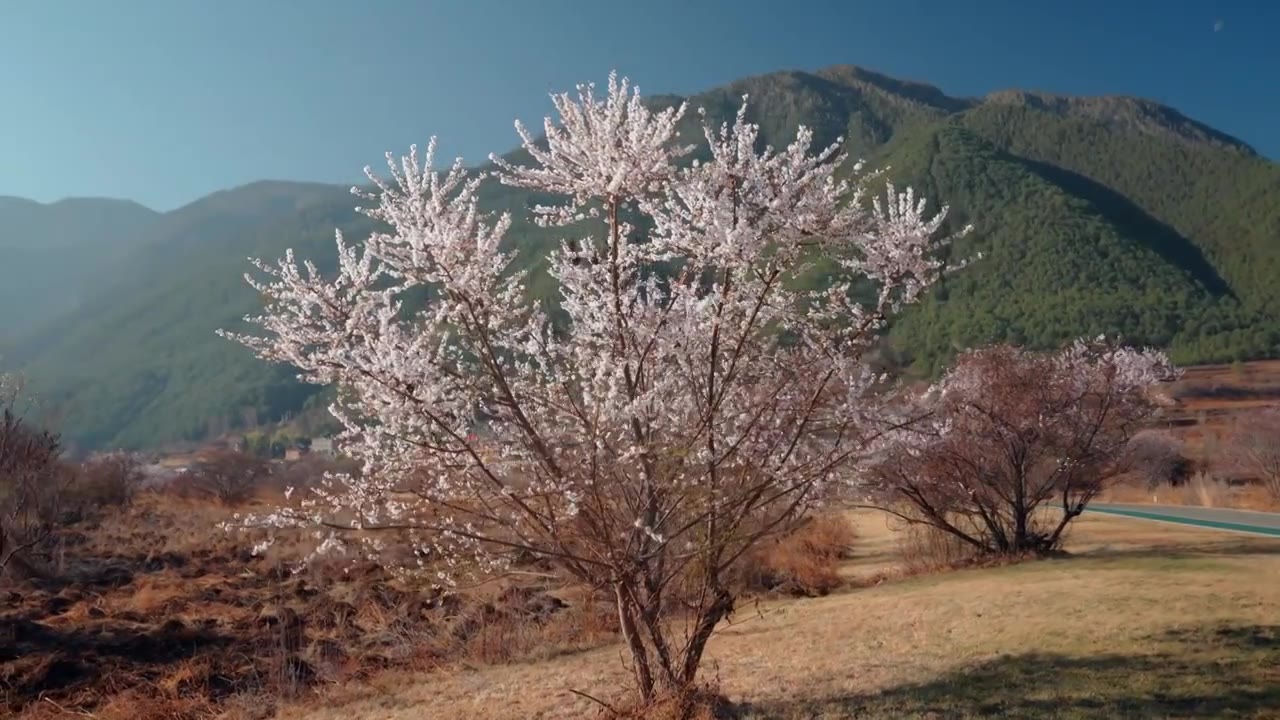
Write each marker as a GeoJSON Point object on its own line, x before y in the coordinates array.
{"type": "Point", "coordinates": [83, 713]}
{"type": "Point", "coordinates": [759, 614]}
{"type": "Point", "coordinates": [595, 700]}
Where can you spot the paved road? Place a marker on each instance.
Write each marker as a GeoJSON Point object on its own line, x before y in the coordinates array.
{"type": "Point", "coordinates": [1259, 523]}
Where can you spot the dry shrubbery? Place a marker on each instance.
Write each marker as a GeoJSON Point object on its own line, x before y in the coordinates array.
{"type": "Point", "coordinates": [1158, 459]}
{"type": "Point", "coordinates": [228, 476]}
{"type": "Point", "coordinates": [925, 549]}
{"type": "Point", "coordinates": [152, 611]}
{"type": "Point", "coordinates": [183, 616]}
{"type": "Point", "coordinates": [162, 615]}
{"type": "Point", "coordinates": [1254, 446]}
{"type": "Point", "coordinates": [107, 481]}
{"type": "Point", "coordinates": [31, 484]}
{"type": "Point", "coordinates": [805, 561]}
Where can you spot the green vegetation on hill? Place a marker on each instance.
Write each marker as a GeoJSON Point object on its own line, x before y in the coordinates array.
{"type": "Point", "coordinates": [144, 365]}
{"type": "Point", "coordinates": [51, 254]}
{"type": "Point", "coordinates": [1056, 264]}
{"type": "Point", "coordinates": [1094, 215]}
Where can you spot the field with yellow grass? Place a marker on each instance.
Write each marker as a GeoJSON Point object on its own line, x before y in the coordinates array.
{"type": "Point", "coordinates": [1139, 620]}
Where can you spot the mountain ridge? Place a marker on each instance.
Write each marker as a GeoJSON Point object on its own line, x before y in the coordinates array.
{"type": "Point", "coordinates": [1113, 214]}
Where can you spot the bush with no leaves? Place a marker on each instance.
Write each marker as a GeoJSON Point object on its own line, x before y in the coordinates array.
{"type": "Point", "coordinates": [108, 480]}
{"type": "Point", "coordinates": [1254, 446]}
{"type": "Point", "coordinates": [1157, 458]}
{"type": "Point", "coordinates": [31, 482]}
{"type": "Point", "coordinates": [228, 476]}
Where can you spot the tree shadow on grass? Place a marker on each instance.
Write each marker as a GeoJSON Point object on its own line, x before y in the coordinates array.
{"type": "Point", "coordinates": [1213, 672]}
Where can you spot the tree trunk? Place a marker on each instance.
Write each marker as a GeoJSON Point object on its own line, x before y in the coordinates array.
{"type": "Point", "coordinates": [657, 672]}
{"type": "Point", "coordinates": [630, 633]}
{"type": "Point", "coordinates": [720, 607]}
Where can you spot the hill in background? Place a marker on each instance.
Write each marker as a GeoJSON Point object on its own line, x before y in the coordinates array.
{"type": "Point", "coordinates": [1095, 215]}
{"type": "Point", "coordinates": [54, 254]}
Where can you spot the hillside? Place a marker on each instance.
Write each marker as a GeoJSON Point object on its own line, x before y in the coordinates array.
{"type": "Point", "coordinates": [154, 375]}
{"type": "Point", "coordinates": [1095, 215]}
{"type": "Point", "coordinates": [53, 253]}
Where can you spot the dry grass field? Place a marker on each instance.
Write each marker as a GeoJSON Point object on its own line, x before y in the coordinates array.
{"type": "Point", "coordinates": [1210, 402]}
{"type": "Point", "coordinates": [177, 620]}
{"type": "Point", "coordinates": [1210, 397]}
{"type": "Point", "coordinates": [1141, 620]}
{"type": "Point", "coordinates": [1137, 620]}
{"type": "Point", "coordinates": [151, 611]}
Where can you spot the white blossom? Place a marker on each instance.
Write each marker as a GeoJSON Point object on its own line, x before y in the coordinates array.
{"type": "Point", "coordinates": [690, 395]}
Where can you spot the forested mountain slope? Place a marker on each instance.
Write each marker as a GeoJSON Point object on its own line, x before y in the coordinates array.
{"type": "Point", "coordinates": [1094, 215]}
{"type": "Point", "coordinates": [51, 254]}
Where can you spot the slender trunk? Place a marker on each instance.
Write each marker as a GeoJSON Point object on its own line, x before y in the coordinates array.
{"type": "Point", "coordinates": [1069, 513]}
{"type": "Point", "coordinates": [720, 607]}
{"type": "Point", "coordinates": [630, 633]}
{"type": "Point", "coordinates": [650, 614]}
{"type": "Point", "coordinates": [1020, 540]}
{"type": "Point", "coordinates": [1053, 538]}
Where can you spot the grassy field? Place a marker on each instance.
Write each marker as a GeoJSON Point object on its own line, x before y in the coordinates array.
{"type": "Point", "coordinates": [1142, 620]}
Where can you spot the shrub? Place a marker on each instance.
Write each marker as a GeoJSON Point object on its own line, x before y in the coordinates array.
{"type": "Point", "coordinates": [1206, 490]}
{"type": "Point", "coordinates": [32, 483]}
{"type": "Point", "coordinates": [805, 561]}
{"type": "Point", "coordinates": [1157, 459]}
{"type": "Point", "coordinates": [926, 548]}
{"type": "Point", "coordinates": [1254, 447]}
{"type": "Point", "coordinates": [108, 480]}
{"type": "Point", "coordinates": [228, 476]}
{"type": "Point", "coordinates": [1010, 431]}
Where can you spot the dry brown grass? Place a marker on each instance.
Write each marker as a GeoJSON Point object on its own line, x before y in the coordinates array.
{"type": "Point", "coordinates": [199, 630]}
{"type": "Point", "coordinates": [1133, 594]}
{"type": "Point", "coordinates": [926, 549]}
{"type": "Point", "coordinates": [804, 562]}
{"type": "Point", "coordinates": [1202, 489]}
{"type": "Point", "coordinates": [161, 611]}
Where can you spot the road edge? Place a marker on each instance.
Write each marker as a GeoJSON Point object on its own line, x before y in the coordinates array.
{"type": "Point", "coordinates": [1176, 520]}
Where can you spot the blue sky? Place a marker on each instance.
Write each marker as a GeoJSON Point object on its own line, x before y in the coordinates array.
{"type": "Point", "coordinates": [163, 101]}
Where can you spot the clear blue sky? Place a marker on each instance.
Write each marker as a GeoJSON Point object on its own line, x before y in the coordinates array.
{"type": "Point", "coordinates": [163, 101]}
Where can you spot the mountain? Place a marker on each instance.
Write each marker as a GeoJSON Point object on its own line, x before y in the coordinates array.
{"type": "Point", "coordinates": [54, 252]}
{"type": "Point", "coordinates": [1111, 215]}
{"type": "Point", "coordinates": [136, 366]}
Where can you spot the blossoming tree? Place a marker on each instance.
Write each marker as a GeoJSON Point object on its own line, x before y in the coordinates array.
{"type": "Point", "coordinates": [1009, 431]}
{"type": "Point", "coordinates": [684, 405]}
